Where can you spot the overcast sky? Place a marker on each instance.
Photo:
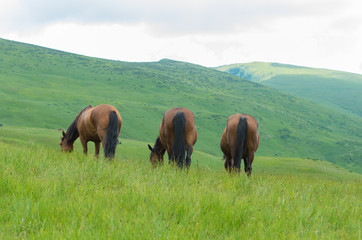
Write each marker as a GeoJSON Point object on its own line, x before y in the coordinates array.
{"type": "Point", "coordinates": [315, 33]}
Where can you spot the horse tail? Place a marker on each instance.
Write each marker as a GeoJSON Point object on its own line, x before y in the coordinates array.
{"type": "Point", "coordinates": [111, 136]}
{"type": "Point", "coordinates": [241, 134]}
{"type": "Point", "coordinates": [178, 148]}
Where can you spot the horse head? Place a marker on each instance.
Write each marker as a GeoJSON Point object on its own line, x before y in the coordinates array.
{"type": "Point", "coordinates": [156, 155]}
{"type": "Point", "coordinates": [65, 146]}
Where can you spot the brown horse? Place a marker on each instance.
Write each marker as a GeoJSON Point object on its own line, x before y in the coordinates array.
{"type": "Point", "coordinates": [97, 124]}
{"type": "Point", "coordinates": [177, 134]}
{"type": "Point", "coordinates": [240, 140]}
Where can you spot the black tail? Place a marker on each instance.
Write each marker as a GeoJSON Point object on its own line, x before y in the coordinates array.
{"type": "Point", "coordinates": [241, 133]}
{"type": "Point", "coordinates": [178, 148]}
{"type": "Point", "coordinates": [112, 135]}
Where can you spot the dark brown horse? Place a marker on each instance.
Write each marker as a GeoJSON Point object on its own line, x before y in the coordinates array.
{"type": "Point", "coordinates": [240, 140]}
{"type": "Point", "coordinates": [97, 124]}
{"type": "Point", "coordinates": [177, 134]}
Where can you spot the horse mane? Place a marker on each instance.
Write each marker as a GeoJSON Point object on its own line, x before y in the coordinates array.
{"type": "Point", "coordinates": [72, 129]}
{"type": "Point", "coordinates": [157, 147]}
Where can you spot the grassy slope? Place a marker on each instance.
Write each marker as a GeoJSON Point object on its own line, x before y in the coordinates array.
{"type": "Point", "coordinates": [46, 194]}
{"type": "Point", "coordinates": [46, 88]}
{"type": "Point", "coordinates": [335, 89]}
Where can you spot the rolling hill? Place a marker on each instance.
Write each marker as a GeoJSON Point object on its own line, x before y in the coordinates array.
{"type": "Point", "coordinates": [45, 88]}
{"type": "Point", "coordinates": [341, 91]}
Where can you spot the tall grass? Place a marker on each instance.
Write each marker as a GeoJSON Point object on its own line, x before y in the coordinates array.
{"type": "Point", "coordinates": [47, 194]}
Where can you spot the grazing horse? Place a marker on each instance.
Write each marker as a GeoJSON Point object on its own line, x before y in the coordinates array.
{"type": "Point", "coordinates": [177, 134]}
{"type": "Point", "coordinates": [97, 124]}
{"type": "Point", "coordinates": [240, 140]}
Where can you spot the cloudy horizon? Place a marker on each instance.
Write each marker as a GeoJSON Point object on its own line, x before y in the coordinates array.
{"type": "Point", "coordinates": [320, 34]}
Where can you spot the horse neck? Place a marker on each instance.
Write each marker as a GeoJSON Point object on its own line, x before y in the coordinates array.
{"type": "Point", "coordinates": [73, 138]}
{"type": "Point", "coordinates": [158, 146]}
{"type": "Point", "coordinates": [72, 133]}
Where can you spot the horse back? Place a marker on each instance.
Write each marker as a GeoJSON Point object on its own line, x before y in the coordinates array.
{"type": "Point", "coordinates": [94, 121]}
{"type": "Point", "coordinates": [100, 116]}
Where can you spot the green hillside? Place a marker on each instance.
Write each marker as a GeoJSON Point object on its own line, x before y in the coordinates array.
{"type": "Point", "coordinates": [45, 88]}
{"type": "Point", "coordinates": [335, 89]}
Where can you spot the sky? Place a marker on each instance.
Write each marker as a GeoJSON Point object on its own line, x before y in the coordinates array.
{"type": "Point", "coordinates": [313, 33]}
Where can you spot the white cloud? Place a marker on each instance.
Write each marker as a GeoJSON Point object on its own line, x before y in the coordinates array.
{"type": "Point", "coordinates": [315, 33]}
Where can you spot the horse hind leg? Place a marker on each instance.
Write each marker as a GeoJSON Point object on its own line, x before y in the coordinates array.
{"type": "Point", "coordinates": [247, 165]}
{"type": "Point", "coordinates": [102, 134]}
{"type": "Point", "coordinates": [237, 163]}
{"type": "Point", "coordinates": [188, 156]}
{"type": "Point", "coordinates": [180, 162]}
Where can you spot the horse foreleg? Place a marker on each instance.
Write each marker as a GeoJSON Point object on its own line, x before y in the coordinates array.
{"type": "Point", "coordinates": [227, 164]}
{"type": "Point", "coordinates": [97, 147]}
{"type": "Point", "coordinates": [84, 144]}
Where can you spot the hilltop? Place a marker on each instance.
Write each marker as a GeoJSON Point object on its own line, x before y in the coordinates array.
{"type": "Point", "coordinates": [341, 91]}
{"type": "Point", "coordinates": [46, 88]}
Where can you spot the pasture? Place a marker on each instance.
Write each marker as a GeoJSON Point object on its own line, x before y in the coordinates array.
{"type": "Point", "coordinates": [48, 194]}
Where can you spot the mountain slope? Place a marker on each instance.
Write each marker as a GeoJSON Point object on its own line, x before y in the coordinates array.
{"type": "Point", "coordinates": [46, 88]}
{"type": "Point", "coordinates": [339, 90]}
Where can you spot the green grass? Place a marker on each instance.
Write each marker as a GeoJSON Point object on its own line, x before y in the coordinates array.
{"type": "Point", "coordinates": [44, 88]}
{"type": "Point", "coordinates": [48, 194]}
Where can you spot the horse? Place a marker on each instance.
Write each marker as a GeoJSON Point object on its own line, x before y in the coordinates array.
{"type": "Point", "coordinates": [97, 124]}
{"type": "Point", "coordinates": [240, 140]}
{"type": "Point", "coordinates": [177, 134]}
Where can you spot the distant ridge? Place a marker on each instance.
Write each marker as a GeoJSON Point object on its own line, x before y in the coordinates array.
{"type": "Point", "coordinates": [339, 90]}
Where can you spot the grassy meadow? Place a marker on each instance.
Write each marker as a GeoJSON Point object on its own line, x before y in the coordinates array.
{"type": "Point", "coordinates": [306, 181]}
{"type": "Point", "coordinates": [46, 194]}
